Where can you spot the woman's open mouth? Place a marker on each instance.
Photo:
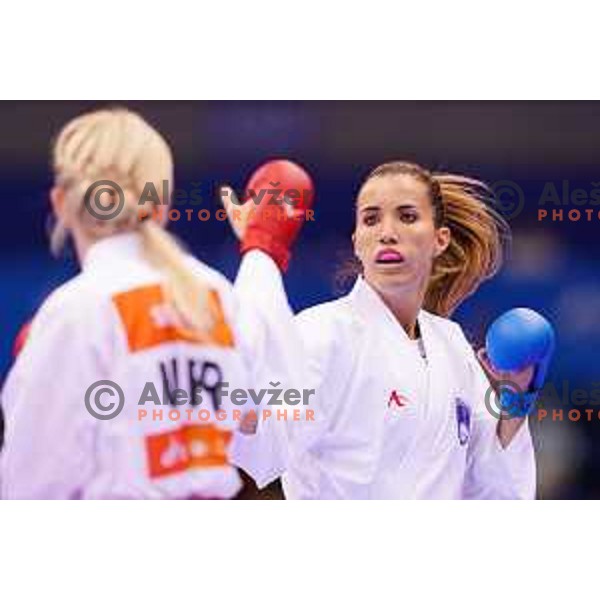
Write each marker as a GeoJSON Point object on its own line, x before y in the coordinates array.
{"type": "Point", "coordinates": [389, 257]}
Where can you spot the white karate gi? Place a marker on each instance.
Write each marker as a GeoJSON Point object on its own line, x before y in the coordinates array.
{"type": "Point", "coordinates": [111, 323]}
{"type": "Point", "coordinates": [390, 425]}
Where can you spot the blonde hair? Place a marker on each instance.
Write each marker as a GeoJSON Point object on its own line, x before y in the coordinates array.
{"type": "Point", "coordinates": [479, 234]}
{"type": "Point", "coordinates": [119, 146]}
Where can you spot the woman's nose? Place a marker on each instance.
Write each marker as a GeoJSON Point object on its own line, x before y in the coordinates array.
{"type": "Point", "coordinates": [388, 234]}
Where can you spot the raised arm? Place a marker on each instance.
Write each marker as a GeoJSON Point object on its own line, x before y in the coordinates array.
{"type": "Point", "coordinates": [267, 227]}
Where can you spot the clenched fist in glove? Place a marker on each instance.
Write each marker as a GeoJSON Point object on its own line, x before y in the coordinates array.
{"type": "Point", "coordinates": [277, 201]}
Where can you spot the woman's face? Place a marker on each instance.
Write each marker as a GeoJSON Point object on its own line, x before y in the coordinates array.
{"type": "Point", "coordinates": [395, 237]}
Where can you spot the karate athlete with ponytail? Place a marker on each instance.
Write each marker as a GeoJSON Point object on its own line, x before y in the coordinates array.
{"type": "Point", "coordinates": [141, 311]}
{"type": "Point", "coordinates": [399, 401]}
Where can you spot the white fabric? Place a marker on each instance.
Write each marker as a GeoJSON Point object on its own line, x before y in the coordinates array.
{"type": "Point", "coordinates": [365, 446]}
{"type": "Point", "coordinates": [55, 449]}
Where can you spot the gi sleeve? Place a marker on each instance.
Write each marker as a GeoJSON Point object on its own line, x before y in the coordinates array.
{"type": "Point", "coordinates": [272, 351]}
{"type": "Point", "coordinates": [494, 472]}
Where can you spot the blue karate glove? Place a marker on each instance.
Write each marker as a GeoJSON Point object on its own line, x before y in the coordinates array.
{"type": "Point", "coordinates": [516, 340]}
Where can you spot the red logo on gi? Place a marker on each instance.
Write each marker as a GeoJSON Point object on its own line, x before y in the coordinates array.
{"type": "Point", "coordinates": [397, 399]}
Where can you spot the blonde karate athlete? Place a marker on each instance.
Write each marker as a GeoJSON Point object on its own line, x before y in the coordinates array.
{"type": "Point", "coordinates": [141, 312]}
{"type": "Point", "coordinates": [399, 404]}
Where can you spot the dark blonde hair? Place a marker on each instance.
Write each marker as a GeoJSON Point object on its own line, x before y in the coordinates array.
{"type": "Point", "coordinates": [478, 235]}
{"type": "Point", "coordinates": [119, 144]}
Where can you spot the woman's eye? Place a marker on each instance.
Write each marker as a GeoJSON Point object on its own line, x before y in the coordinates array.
{"type": "Point", "coordinates": [408, 217]}
{"type": "Point", "coordinates": [370, 220]}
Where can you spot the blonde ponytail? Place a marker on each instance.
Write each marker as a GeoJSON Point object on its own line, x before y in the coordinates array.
{"type": "Point", "coordinates": [119, 146]}
{"type": "Point", "coordinates": [185, 292]}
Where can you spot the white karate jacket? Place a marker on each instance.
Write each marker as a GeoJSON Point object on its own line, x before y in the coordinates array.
{"type": "Point", "coordinates": [111, 323]}
{"type": "Point", "coordinates": [390, 425]}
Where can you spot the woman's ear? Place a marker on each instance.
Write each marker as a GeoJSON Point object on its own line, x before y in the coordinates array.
{"type": "Point", "coordinates": [58, 200]}
{"type": "Point", "coordinates": [442, 240]}
{"type": "Point", "coordinates": [353, 238]}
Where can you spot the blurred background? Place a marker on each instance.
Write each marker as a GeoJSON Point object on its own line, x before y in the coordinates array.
{"type": "Point", "coordinates": [535, 154]}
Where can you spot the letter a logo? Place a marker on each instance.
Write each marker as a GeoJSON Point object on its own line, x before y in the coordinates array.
{"type": "Point", "coordinates": [397, 399]}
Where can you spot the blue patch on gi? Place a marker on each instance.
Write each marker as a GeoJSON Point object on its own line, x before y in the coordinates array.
{"type": "Point", "coordinates": [463, 421]}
